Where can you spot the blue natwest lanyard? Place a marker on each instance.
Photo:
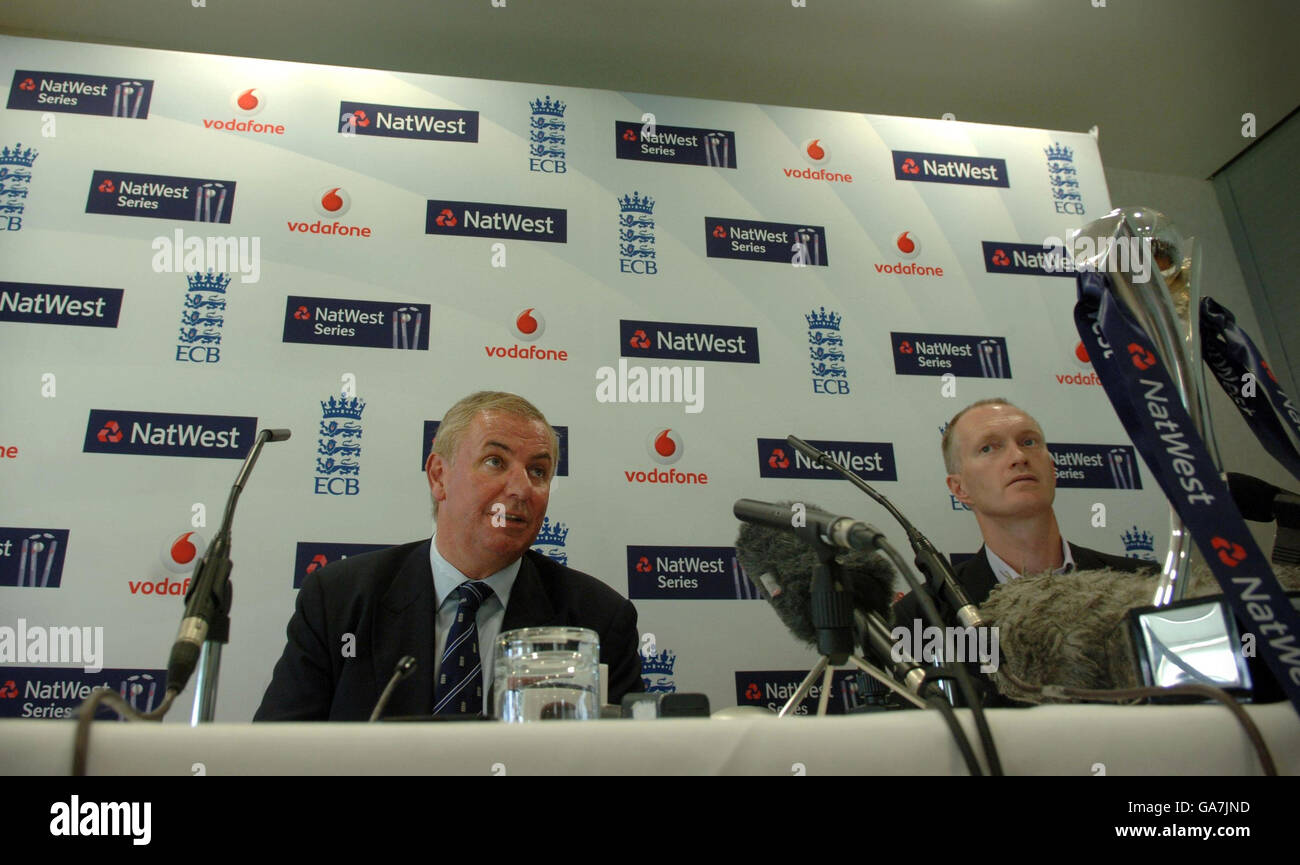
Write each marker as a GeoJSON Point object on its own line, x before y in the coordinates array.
{"type": "Point", "coordinates": [1230, 354]}
{"type": "Point", "coordinates": [1152, 412]}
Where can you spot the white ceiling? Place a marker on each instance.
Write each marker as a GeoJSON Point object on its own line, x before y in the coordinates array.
{"type": "Point", "coordinates": [1167, 81]}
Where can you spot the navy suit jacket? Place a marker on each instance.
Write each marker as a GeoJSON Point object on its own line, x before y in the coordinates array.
{"type": "Point", "coordinates": [385, 600]}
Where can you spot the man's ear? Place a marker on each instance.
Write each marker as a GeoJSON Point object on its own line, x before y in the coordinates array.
{"type": "Point", "coordinates": [958, 491]}
{"type": "Point", "coordinates": [435, 469]}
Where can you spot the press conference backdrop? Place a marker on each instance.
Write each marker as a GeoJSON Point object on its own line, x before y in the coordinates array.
{"type": "Point", "coordinates": [200, 246]}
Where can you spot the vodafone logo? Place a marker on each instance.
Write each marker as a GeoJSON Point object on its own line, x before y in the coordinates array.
{"type": "Point", "coordinates": [248, 102]}
{"type": "Point", "coordinates": [528, 324]}
{"type": "Point", "coordinates": [907, 245]}
{"type": "Point", "coordinates": [1081, 354]}
{"type": "Point", "coordinates": [816, 151]}
{"type": "Point", "coordinates": [333, 201]}
{"type": "Point", "coordinates": [180, 554]}
{"type": "Point", "coordinates": [664, 446]}
{"type": "Point", "coordinates": [1081, 362]}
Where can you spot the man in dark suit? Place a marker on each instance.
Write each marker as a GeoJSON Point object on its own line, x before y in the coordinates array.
{"type": "Point", "coordinates": [999, 466]}
{"type": "Point", "coordinates": [444, 600]}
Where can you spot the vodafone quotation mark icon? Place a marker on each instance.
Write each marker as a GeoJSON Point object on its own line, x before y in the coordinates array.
{"type": "Point", "coordinates": [816, 151]}
{"type": "Point", "coordinates": [529, 325]}
{"type": "Point", "coordinates": [248, 102]}
{"type": "Point", "coordinates": [182, 553]}
{"type": "Point", "coordinates": [665, 446]}
{"type": "Point", "coordinates": [907, 245]}
{"type": "Point", "coordinates": [333, 201]}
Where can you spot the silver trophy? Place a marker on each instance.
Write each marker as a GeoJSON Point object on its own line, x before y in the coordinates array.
{"type": "Point", "coordinates": [1155, 274]}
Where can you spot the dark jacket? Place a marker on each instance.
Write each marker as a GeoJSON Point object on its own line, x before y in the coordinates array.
{"type": "Point", "coordinates": [385, 600]}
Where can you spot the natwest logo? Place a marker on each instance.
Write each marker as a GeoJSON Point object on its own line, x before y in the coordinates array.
{"type": "Point", "coordinates": [950, 168]}
{"type": "Point", "coordinates": [159, 196]}
{"type": "Point", "coordinates": [510, 221]}
{"type": "Point", "coordinates": [341, 321]}
{"type": "Point", "coordinates": [907, 246]}
{"type": "Point", "coordinates": [681, 145]}
{"type": "Point", "coordinates": [697, 573]}
{"type": "Point", "coordinates": [311, 556]}
{"type": "Point", "coordinates": [401, 121]}
{"type": "Point", "coordinates": [817, 152]}
{"type": "Point", "coordinates": [943, 353]}
{"type": "Point", "coordinates": [60, 304]}
{"type": "Point", "coordinates": [872, 460]}
{"type": "Point", "coordinates": [1026, 259]}
{"type": "Point", "coordinates": [682, 341]}
{"type": "Point", "coordinates": [527, 324]}
{"type": "Point", "coordinates": [171, 435]}
{"type": "Point", "coordinates": [246, 104]}
{"type": "Point", "coordinates": [71, 93]}
{"type": "Point", "coordinates": [781, 242]}
{"type": "Point", "coordinates": [665, 446]}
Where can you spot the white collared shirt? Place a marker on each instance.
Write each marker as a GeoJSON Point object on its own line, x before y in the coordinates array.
{"type": "Point", "coordinates": [1005, 572]}
{"type": "Point", "coordinates": [491, 613]}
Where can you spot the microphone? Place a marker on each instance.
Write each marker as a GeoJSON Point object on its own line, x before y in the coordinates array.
{"type": "Point", "coordinates": [844, 533]}
{"type": "Point", "coordinates": [1255, 497]}
{"type": "Point", "coordinates": [405, 667]}
{"type": "Point", "coordinates": [208, 600]}
{"type": "Point", "coordinates": [929, 561]}
{"type": "Point", "coordinates": [782, 566]}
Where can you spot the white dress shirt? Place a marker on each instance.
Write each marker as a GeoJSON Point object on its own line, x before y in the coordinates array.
{"type": "Point", "coordinates": [1005, 572]}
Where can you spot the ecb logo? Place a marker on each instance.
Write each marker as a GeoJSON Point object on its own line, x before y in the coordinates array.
{"type": "Point", "coordinates": [546, 136]}
{"type": "Point", "coordinates": [1064, 179]}
{"type": "Point", "coordinates": [636, 235]}
{"type": "Point", "coordinates": [202, 318]}
{"type": "Point", "coordinates": [338, 447]}
{"type": "Point", "coordinates": [15, 175]}
{"type": "Point", "coordinates": [551, 539]}
{"type": "Point", "coordinates": [826, 353]}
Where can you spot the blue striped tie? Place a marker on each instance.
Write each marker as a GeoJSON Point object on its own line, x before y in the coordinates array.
{"type": "Point", "coordinates": [459, 689]}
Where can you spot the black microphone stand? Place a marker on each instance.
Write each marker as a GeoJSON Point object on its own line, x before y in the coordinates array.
{"type": "Point", "coordinates": [832, 616]}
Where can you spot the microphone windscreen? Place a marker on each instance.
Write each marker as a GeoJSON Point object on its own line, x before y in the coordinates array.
{"type": "Point", "coordinates": [789, 562]}
{"type": "Point", "coordinates": [1072, 629]}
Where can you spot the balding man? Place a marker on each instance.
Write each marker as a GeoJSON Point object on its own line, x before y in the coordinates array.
{"type": "Point", "coordinates": [445, 599]}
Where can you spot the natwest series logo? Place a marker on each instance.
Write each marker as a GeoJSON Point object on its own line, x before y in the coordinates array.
{"type": "Point", "coordinates": [826, 352]}
{"type": "Point", "coordinates": [907, 245]}
{"type": "Point", "coordinates": [70, 93]}
{"type": "Point", "coordinates": [683, 341]}
{"type": "Point", "coordinates": [57, 692]}
{"type": "Point", "coordinates": [666, 447]}
{"type": "Point", "coordinates": [32, 557]}
{"type": "Point", "coordinates": [703, 573]}
{"type": "Point", "coordinates": [873, 460]}
{"type": "Point", "coordinates": [400, 121]}
{"type": "Point", "coordinates": [164, 434]}
{"type": "Point", "coordinates": [636, 235]}
{"type": "Point", "coordinates": [782, 242]}
{"type": "Point", "coordinates": [78, 305]}
{"type": "Point", "coordinates": [950, 168]}
{"type": "Point", "coordinates": [527, 324]}
{"type": "Point", "coordinates": [338, 446]}
{"type": "Point", "coordinates": [331, 202]}
{"type": "Point", "coordinates": [509, 221]}
{"type": "Point", "coordinates": [1026, 259]}
{"type": "Point", "coordinates": [1063, 179]}
{"type": "Point", "coordinates": [944, 353]}
{"type": "Point", "coordinates": [681, 145]}
{"type": "Point", "coordinates": [368, 323]}
{"type": "Point", "coordinates": [1083, 373]}
{"type": "Point", "coordinates": [772, 688]}
{"type": "Point", "coordinates": [546, 136]}
{"type": "Point", "coordinates": [246, 105]}
{"type": "Point", "coordinates": [311, 556]}
{"type": "Point", "coordinates": [817, 153]}
{"type": "Point", "coordinates": [1107, 467]}
{"type": "Point", "coordinates": [158, 196]}
{"type": "Point", "coordinates": [202, 317]}
{"type": "Point", "coordinates": [15, 177]}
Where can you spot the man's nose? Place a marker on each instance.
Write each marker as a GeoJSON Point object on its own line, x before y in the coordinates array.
{"type": "Point", "coordinates": [517, 482]}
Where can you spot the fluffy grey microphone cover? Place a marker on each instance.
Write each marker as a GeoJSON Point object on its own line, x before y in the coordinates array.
{"type": "Point", "coordinates": [1071, 629]}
